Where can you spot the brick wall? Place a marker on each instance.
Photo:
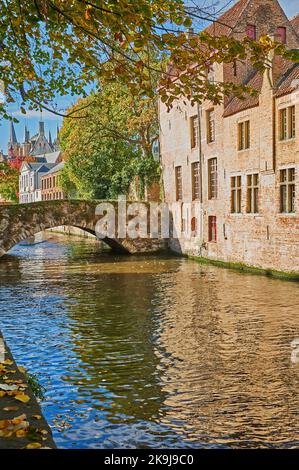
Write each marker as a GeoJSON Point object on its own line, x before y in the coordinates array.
{"type": "Point", "coordinates": [267, 239]}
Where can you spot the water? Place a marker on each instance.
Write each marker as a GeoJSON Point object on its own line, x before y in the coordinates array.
{"type": "Point", "coordinates": [144, 352]}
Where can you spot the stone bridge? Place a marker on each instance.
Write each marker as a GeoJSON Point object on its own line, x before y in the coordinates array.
{"type": "Point", "coordinates": [20, 222]}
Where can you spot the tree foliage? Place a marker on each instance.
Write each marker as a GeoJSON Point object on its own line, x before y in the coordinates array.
{"type": "Point", "coordinates": [107, 149]}
{"type": "Point", "coordinates": [9, 182]}
{"type": "Point", "coordinates": [51, 47]}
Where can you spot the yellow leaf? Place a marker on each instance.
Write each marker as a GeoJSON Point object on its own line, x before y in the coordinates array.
{"type": "Point", "coordinates": [18, 419]}
{"type": "Point", "coordinates": [22, 397]}
{"type": "Point", "coordinates": [37, 417]}
{"type": "Point", "coordinates": [33, 445]}
{"type": "Point", "coordinates": [8, 362]}
{"type": "Point", "coordinates": [4, 423]}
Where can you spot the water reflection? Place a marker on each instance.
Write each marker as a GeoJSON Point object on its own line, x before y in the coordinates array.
{"type": "Point", "coordinates": [144, 352]}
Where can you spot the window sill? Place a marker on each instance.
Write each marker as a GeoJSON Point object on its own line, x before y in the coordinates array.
{"type": "Point", "coordinates": [244, 150]}
{"type": "Point", "coordinates": [289, 139]}
{"type": "Point", "coordinates": [236, 214]}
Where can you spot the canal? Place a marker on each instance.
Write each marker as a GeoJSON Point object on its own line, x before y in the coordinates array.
{"type": "Point", "coordinates": [152, 352]}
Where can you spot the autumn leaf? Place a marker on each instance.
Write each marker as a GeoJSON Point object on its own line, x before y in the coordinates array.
{"type": "Point", "coordinates": [17, 426]}
{"type": "Point", "coordinates": [8, 362]}
{"type": "Point", "coordinates": [22, 397]}
{"type": "Point", "coordinates": [88, 12]}
{"type": "Point", "coordinates": [33, 445]}
{"type": "Point", "coordinates": [7, 388]}
{"type": "Point", "coordinates": [38, 417]}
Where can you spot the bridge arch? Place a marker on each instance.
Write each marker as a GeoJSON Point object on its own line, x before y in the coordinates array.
{"type": "Point", "coordinates": [20, 222]}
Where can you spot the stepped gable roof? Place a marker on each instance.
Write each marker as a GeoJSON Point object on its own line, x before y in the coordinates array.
{"type": "Point", "coordinates": [295, 23]}
{"type": "Point", "coordinates": [224, 25]}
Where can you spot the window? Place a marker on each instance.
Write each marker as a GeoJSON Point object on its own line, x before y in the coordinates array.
{"type": "Point", "coordinates": [287, 123]}
{"type": "Point", "coordinates": [212, 178]}
{"type": "Point", "coordinates": [283, 124]}
{"type": "Point", "coordinates": [287, 190]}
{"type": "Point", "coordinates": [194, 131]}
{"type": "Point", "coordinates": [244, 135]}
{"type": "Point", "coordinates": [252, 193]}
{"type": "Point", "coordinates": [195, 169]}
{"type": "Point", "coordinates": [282, 32]}
{"type": "Point", "coordinates": [251, 31]}
{"type": "Point", "coordinates": [178, 183]}
{"type": "Point", "coordinates": [210, 126]}
{"type": "Point", "coordinates": [212, 228]}
{"type": "Point", "coordinates": [236, 194]}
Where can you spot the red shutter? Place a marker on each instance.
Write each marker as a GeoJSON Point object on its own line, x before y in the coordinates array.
{"type": "Point", "coordinates": [282, 31]}
{"type": "Point", "coordinates": [251, 31]}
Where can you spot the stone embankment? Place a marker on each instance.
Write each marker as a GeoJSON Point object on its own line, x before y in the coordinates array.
{"type": "Point", "coordinates": [22, 425]}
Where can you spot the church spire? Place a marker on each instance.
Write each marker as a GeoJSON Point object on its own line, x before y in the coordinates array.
{"type": "Point", "coordinates": [41, 128]}
{"type": "Point", "coordinates": [50, 139]}
{"type": "Point", "coordinates": [26, 134]}
{"type": "Point", "coordinates": [12, 134]}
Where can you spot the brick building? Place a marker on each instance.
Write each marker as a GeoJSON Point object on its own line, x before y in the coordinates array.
{"type": "Point", "coordinates": [50, 184]}
{"type": "Point", "coordinates": [240, 160]}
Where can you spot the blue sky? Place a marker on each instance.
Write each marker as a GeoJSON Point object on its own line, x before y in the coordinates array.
{"type": "Point", "coordinates": [51, 121]}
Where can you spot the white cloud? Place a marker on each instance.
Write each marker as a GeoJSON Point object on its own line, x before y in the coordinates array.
{"type": "Point", "coordinates": [36, 114]}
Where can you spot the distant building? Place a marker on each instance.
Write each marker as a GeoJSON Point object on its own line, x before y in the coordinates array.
{"type": "Point", "coordinates": [50, 184]}
{"type": "Point", "coordinates": [36, 146]}
{"type": "Point", "coordinates": [30, 181]}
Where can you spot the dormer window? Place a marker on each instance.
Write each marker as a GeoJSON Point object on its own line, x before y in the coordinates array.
{"type": "Point", "coordinates": [251, 31]}
{"type": "Point", "coordinates": [282, 32]}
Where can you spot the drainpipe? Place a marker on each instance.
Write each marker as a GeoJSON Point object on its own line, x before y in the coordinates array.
{"type": "Point", "coordinates": [274, 133]}
{"type": "Point", "coordinates": [201, 170]}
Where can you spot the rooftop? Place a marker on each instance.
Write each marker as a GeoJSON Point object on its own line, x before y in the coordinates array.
{"type": "Point", "coordinates": [225, 24]}
{"type": "Point", "coordinates": [295, 23]}
{"type": "Point", "coordinates": [56, 168]}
